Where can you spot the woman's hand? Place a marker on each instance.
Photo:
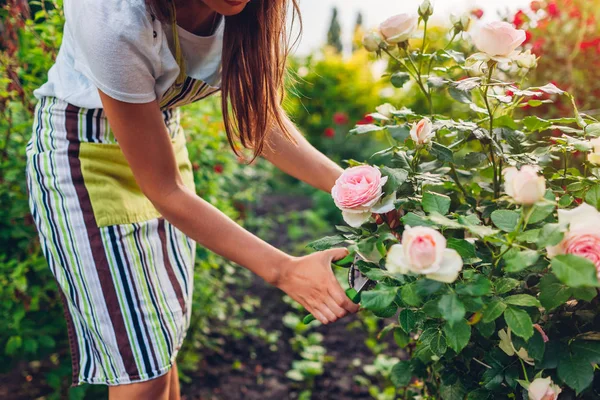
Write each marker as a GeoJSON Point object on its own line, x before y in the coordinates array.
{"type": "Point", "coordinates": [310, 281]}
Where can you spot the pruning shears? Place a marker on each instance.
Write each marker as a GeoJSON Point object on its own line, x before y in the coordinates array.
{"type": "Point", "coordinates": [356, 280]}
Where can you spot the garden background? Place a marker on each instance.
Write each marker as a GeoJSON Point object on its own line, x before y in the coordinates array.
{"type": "Point", "coordinates": [246, 339]}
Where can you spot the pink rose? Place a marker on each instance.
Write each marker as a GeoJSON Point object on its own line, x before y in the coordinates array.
{"type": "Point", "coordinates": [357, 191]}
{"type": "Point", "coordinates": [398, 28]}
{"type": "Point", "coordinates": [498, 38]}
{"type": "Point", "coordinates": [525, 186]}
{"type": "Point", "coordinates": [422, 131]}
{"type": "Point", "coordinates": [423, 251]}
{"type": "Point", "coordinates": [543, 389]}
{"type": "Point", "coordinates": [583, 237]}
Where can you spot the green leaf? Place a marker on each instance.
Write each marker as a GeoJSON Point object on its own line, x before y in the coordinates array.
{"type": "Point", "coordinates": [550, 235]}
{"type": "Point", "coordinates": [452, 392]}
{"type": "Point", "coordinates": [438, 344]}
{"type": "Point", "coordinates": [506, 121]}
{"type": "Point", "coordinates": [519, 321]}
{"type": "Point", "coordinates": [364, 129]}
{"type": "Point", "coordinates": [506, 220]}
{"type": "Point", "coordinates": [479, 286]}
{"type": "Point", "coordinates": [396, 177]}
{"type": "Point", "coordinates": [13, 345]}
{"type": "Point", "coordinates": [402, 374]}
{"type": "Point", "coordinates": [587, 349]}
{"type": "Point", "coordinates": [486, 329]}
{"type": "Point", "coordinates": [530, 236]}
{"type": "Point", "coordinates": [552, 292]}
{"type": "Point", "coordinates": [592, 197]}
{"type": "Point", "coordinates": [435, 202]}
{"type": "Point", "coordinates": [451, 308]}
{"type": "Point", "coordinates": [378, 300]}
{"type": "Point", "coordinates": [585, 293]}
{"type": "Point", "coordinates": [461, 96]}
{"type": "Point", "coordinates": [412, 219]}
{"type": "Point", "coordinates": [398, 79]}
{"type": "Point", "coordinates": [536, 347]}
{"type": "Point", "coordinates": [326, 243]}
{"type": "Point", "coordinates": [534, 123]}
{"type": "Point", "coordinates": [410, 296]}
{"type": "Point", "coordinates": [473, 160]}
{"type": "Point", "coordinates": [441, 152]}
{"type": "Point", "coordinates": [505, 285]}
{"type": "Point", "coordinates": [493, 311]}
{"type": "Point", "coordinates": [575, 371]}
{"type": "Point", "coordinates": [401, 338]}
{"type": "Point", "coordinates": [565, 201]}
{"type": "Point", "coordinates": [524, 300]}
{"type": "Point", "coordinates": [575, 271]}
{"type": "Point", "coordinates": [520, 260]}
{"type": "Point", "coordinates": [457, 335]}
{"type": "Point", "coordinates": [465, 248]}
{"type": "Point", "coordinates": [540, 213]}
{"type": "Point", "coordinates": [408, 320]}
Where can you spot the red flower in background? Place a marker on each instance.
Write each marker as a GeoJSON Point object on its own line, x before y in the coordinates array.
{"type": "Point", "coordinates": [535, 5]}
{"type": "Point", "coordinates": [528, 36]}
{"type": "Point", "coordinates": [477, 13]}
{"type": "Point", "coordinates": [538, 46]}
{"type": "Point", "coordinates": [366, 120]}
{"type": "Point", "coordinates": [219, 168]}
{"type": "Point", "coordinates": [329, 132]}
{"type": "Point", "coordinates": [553, 9]}
{"type": "Point", "coordinates": [340, 118]}
{"type": "Point", "coordinates": [519, 18]}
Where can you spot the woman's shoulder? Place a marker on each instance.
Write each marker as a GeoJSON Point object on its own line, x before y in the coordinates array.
{"type": "Point", "coordinates": [117, 12]}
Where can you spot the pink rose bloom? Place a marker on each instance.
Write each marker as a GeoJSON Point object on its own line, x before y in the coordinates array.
{"type": "Point", "coordinates": [498, 38]}
{"type": "Point", "coordinates": [525, 186]}
{"type": "Point", "coordinates": [422, 131]}
{"type": "Point", "coordinates": [357, 191]}
{"type": "Point", "coordinates": [543, 389]}
{"type": "Point", "coordinates": [583, 237]}
{"type": "Point", "coordinates": [398, 28]}
{"type": "Point", "coordinates": [423, 251]}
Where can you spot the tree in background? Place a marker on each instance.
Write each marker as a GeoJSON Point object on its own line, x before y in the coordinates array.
{"type": "Point", "coordinates": [333, 35]}
{"type": "Point", "coordinates": [358, 33]}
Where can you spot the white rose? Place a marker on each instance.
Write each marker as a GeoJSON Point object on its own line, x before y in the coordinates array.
{"type": "Point", "coordinates": [423, 251]}
{"type": "Point", "coordinates": [526, 60]}
{"type": "Point", "coordinates": [399, 28]}
{"type": "Point", "coordinates": [594, 157]}
{"type": "Point", "coordinates": [385, 109]}
{"type": "Point", "coordinates": [425, 9]}
{"type": "Point", "coordinates": [498, 38]}
{"type": "Point", "coordinates": [525, 186]}
{"type": "Point", "coordinates": [372, 40]}
{"type": "Point", "coordinates": [422, 131]}
{"type": "Point", "coordinates": [460, 22]}
{"type": "Point", "coordinates": [543, 389]}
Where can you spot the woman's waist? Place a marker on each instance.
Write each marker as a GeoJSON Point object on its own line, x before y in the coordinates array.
{"type": "Point", "coordinates": [56, 119]}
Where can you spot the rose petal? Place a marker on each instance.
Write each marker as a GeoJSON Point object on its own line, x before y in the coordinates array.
{"type": "Point", "coordinates": [396, 262]}
{"type": "Point", "coordinates": [356, 219]}
{"type": "Point", "coordinates": [450, 267]}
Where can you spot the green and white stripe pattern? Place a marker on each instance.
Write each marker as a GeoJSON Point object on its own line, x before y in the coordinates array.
{"type": "Point", "coordinates": [126, 288]}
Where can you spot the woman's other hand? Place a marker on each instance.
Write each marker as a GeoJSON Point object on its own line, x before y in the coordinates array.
{"type": "Point", "coordinates": [310, 281]}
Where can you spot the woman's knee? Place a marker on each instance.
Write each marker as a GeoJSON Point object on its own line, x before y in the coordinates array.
{"type": "Point", "coordinates": [155, 389]}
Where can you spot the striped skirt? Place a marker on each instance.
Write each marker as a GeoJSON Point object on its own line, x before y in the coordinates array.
{"type": "Point", "coordinates": [124, 273]}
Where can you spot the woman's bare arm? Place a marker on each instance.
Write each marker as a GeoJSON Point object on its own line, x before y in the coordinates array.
{"type": "Point", "coordinates": [301, 160]}
{"type": "Point", "coordinates": [144, 140]}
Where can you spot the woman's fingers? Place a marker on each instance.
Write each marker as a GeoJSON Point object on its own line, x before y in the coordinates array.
{"type": "Point", "coordinates": [336, 254]}
{"type": "Point", "coordinates": [319, 315]}
{"type": "Point", "coordinates": [329, 315]}
{"type": "Point", "coordinates": [335, 308]}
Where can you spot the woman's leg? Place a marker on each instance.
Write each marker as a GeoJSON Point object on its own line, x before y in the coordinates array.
{"type": "Point", "coordinates": [174, 392]}
{"type": "Point", "coordinates": [155, 389]}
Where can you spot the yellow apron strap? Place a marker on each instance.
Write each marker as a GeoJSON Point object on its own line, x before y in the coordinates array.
{"type": "Point", "coordinates": [178, 53]}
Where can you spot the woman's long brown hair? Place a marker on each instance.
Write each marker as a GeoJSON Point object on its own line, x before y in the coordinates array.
{"type": "Point", "coordinates": [256, 45]}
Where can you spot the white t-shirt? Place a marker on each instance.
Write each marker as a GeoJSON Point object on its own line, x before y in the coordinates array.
{"type": "Point", "coordinates": [118, 47]}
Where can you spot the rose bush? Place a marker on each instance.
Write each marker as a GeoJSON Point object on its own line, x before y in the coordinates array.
{"type": "Point", "coordinates": [488, 247]}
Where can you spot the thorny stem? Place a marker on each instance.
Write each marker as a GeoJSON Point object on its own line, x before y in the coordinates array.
{"type": "Point", "coordinates": [420, 82]}
{"type": "Point", "coordinates": [524, 370]}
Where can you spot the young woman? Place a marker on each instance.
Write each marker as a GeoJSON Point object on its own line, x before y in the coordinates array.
{"type": "Point", "coordinates": [111, 186]}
